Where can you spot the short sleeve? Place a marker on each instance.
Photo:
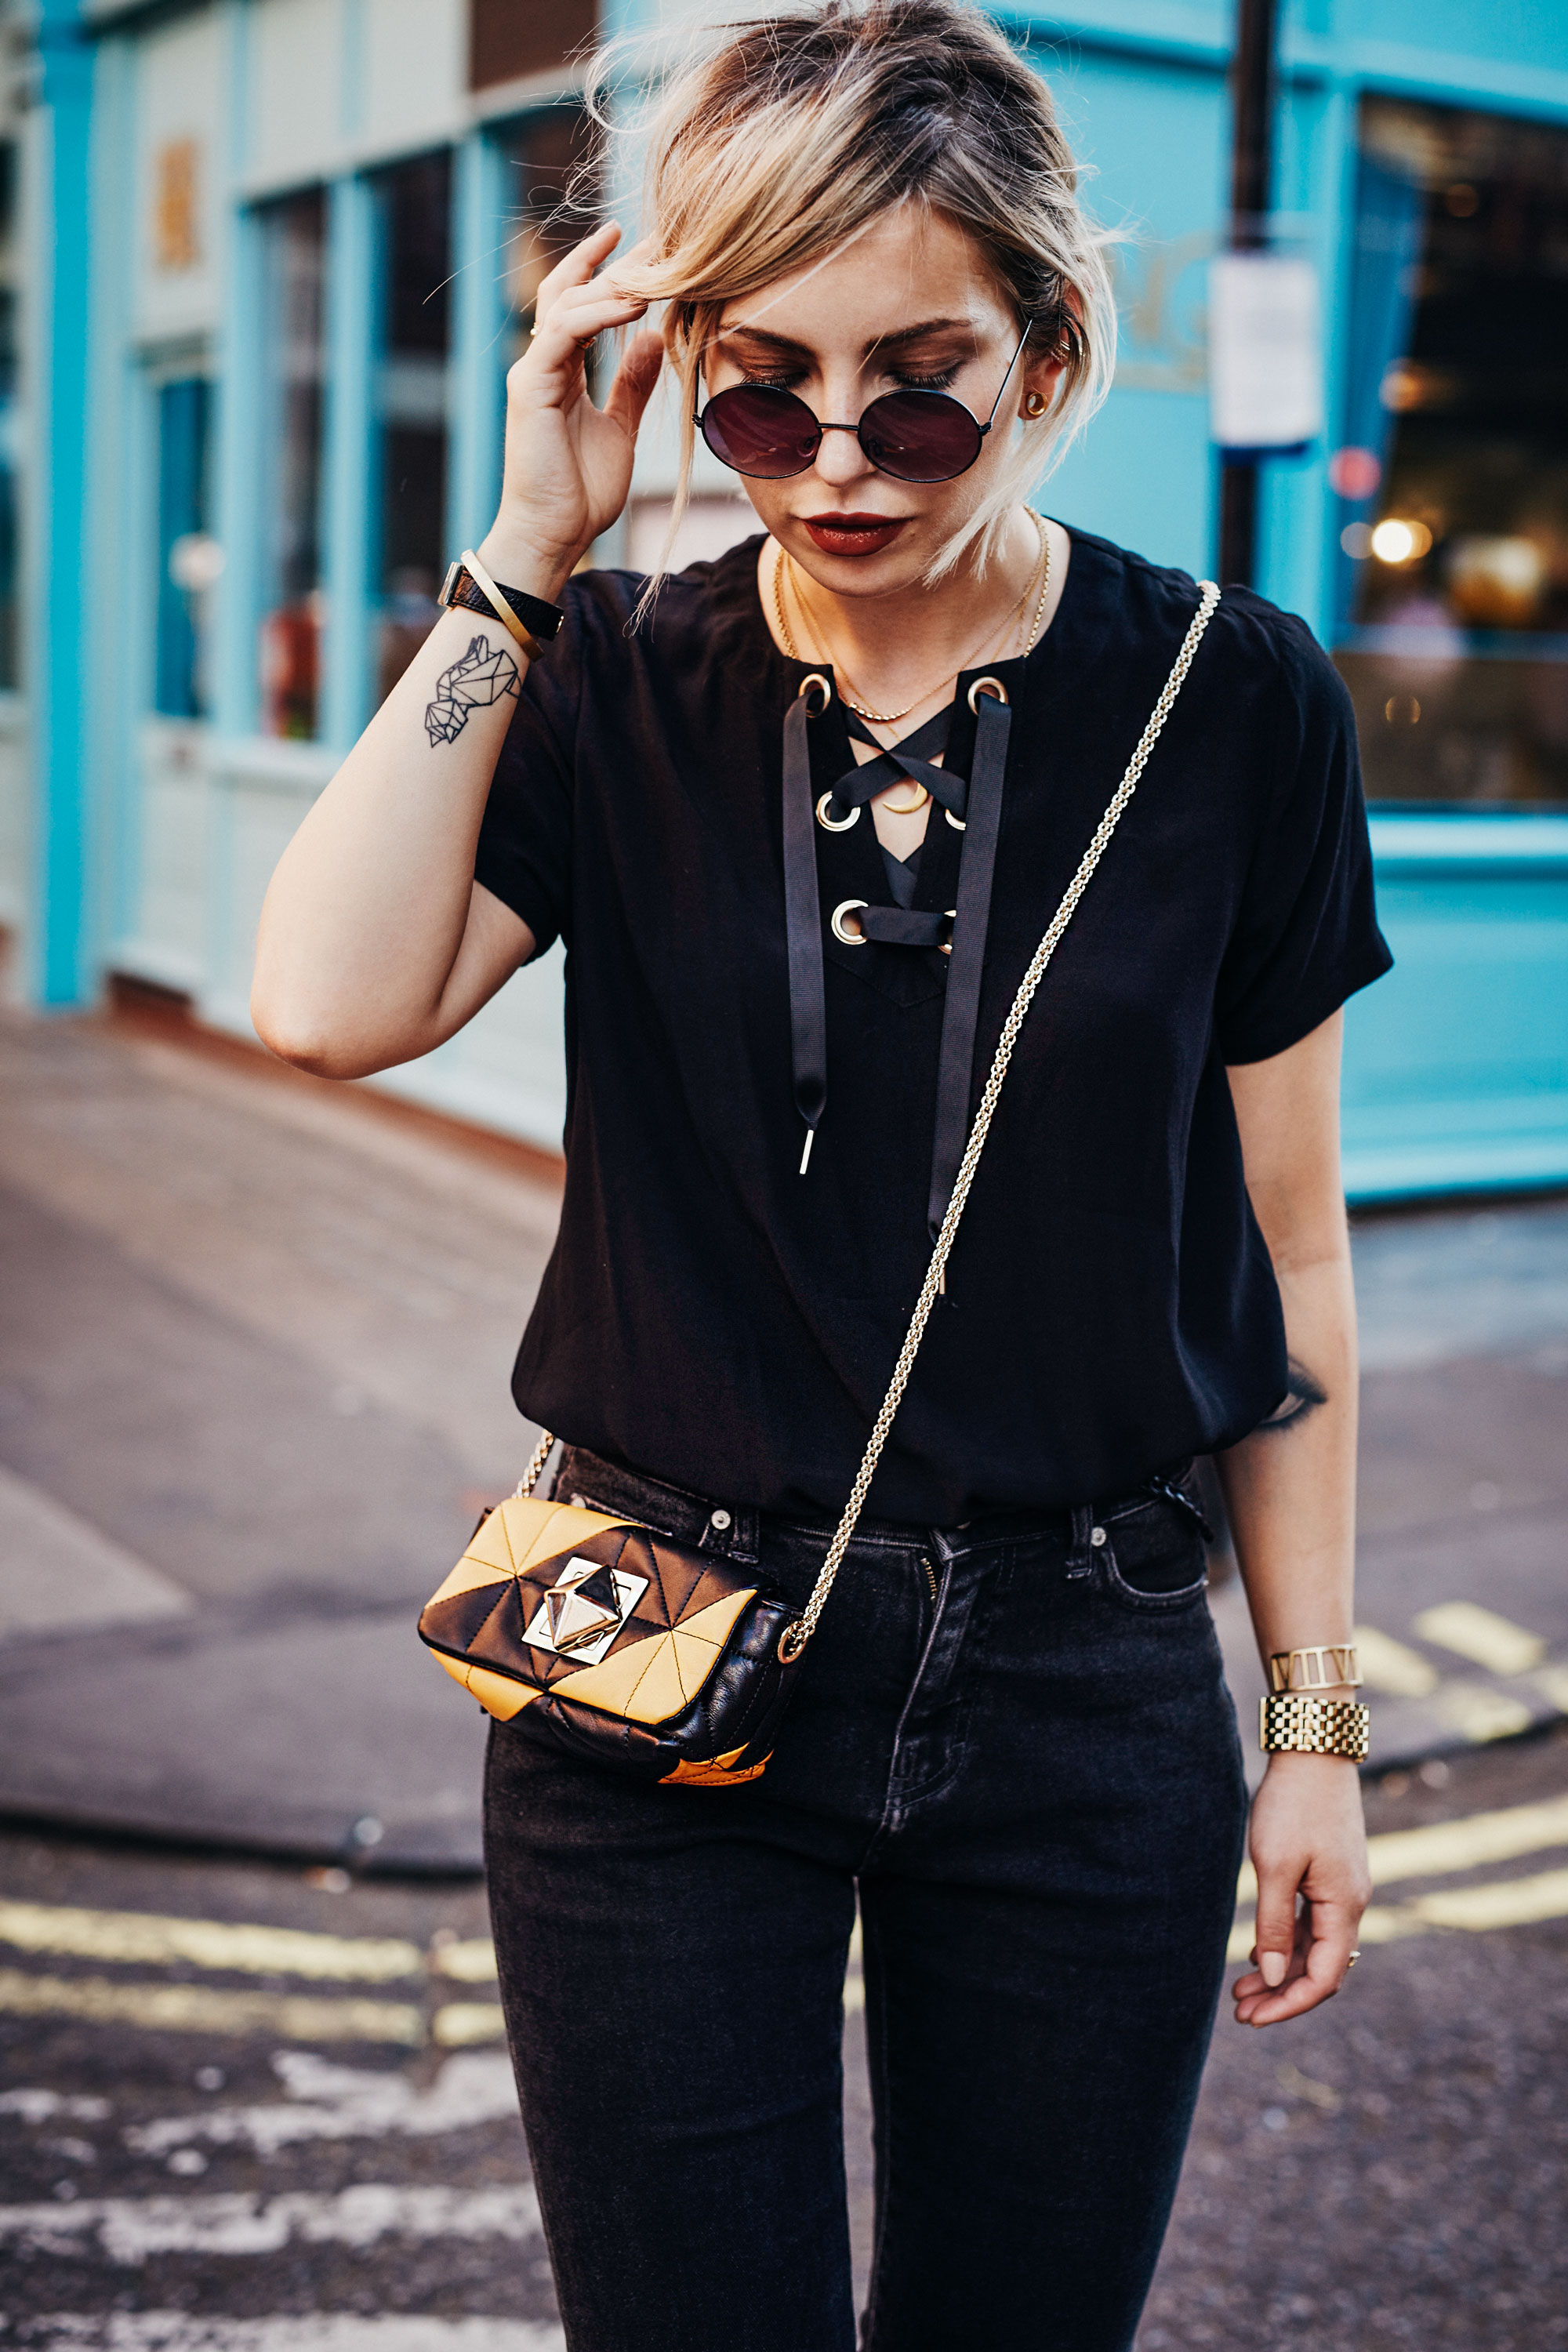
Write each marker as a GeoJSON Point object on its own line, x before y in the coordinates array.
{"type": "Point", "coordinates": [524, 853]}
{"type": "Point", "coordinates": [1306, 934]}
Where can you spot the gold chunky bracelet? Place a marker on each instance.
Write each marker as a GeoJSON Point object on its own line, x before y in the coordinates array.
{"type": "Point", "coordinates": [1313, 1727]}
{"type": "Point", "coordinates": [1318, 1668]}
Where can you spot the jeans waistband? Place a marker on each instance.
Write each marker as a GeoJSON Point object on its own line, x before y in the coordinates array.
{"type": "Point", "coordinates": [735, 1530]}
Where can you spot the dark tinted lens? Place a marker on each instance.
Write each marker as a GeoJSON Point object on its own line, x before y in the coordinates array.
{"type": "Point", "coordinates": [760, 431]}
{"type": "Point", "coordinates": [919, 436]}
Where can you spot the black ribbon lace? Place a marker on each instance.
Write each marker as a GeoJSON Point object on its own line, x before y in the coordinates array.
{"type": "Point", "coordinates": [975, 803]}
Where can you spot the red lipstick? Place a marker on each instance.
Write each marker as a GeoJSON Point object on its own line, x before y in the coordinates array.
{"type": "Point", "coordinates": [853, 534]}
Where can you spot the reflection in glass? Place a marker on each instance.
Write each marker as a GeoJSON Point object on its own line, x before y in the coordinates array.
{"type": "Point", "coordinates": [189, 560]}
{"type": "Point", "coordinates": [293, 236]}
{"type": "Point", "coordinates": [1452, 478]}
{"type": "Point", "coordinates": [411, 405]}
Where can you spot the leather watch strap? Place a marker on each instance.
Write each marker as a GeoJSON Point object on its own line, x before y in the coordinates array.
{"type": "Point", "coordinates": [529, 619]}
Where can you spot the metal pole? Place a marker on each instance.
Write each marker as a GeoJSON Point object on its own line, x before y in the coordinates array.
{"type": "Point", "coordinates": [1250, 174]}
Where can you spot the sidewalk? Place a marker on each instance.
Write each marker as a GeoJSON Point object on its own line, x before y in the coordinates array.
{"type": "Point", "coordinates": [253, 1393]}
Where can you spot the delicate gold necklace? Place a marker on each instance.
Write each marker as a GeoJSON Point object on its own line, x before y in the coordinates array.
{"type": "Point", "coordinates": [890, 718]}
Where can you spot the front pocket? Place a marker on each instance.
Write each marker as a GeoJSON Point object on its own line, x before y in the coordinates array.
{"type": "Point", "coordinates": [1154, 1557]}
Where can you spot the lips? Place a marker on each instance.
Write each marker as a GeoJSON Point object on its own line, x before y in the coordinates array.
{"type": "Point", "coordinates": [853, 534]}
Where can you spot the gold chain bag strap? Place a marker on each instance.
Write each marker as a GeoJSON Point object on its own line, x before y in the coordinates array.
{"type": "Point", "coordinates": [602, 1637]}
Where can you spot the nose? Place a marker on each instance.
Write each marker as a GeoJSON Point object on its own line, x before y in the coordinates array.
{"type": "Point", "coordinates": [840, 458]}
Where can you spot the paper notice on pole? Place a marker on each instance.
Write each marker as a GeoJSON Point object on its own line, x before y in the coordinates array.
{"type": "Point", "coordinates": [1266, 367]}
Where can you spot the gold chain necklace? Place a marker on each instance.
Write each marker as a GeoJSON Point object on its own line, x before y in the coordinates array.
{"type": "Point", "coordinates": [890, 718]}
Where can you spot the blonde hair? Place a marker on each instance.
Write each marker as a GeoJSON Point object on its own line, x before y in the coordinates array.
{"type": "Point", "coordinates": [786, 142]}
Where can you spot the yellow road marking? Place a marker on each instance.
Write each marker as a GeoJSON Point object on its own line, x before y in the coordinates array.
{"type": "Point", "coordinates": [1440, 1847]}
{"type": "Point", "coordinates": [142, 1935]}
{"type": "Point", "coordinates": [1507, 1902]}
{"type": "Point", "coordinates": [472, 1961]}
{"type": "Point", "coordinates": [1512, 1903]}
{"type": "Point", "coordinates": [461, 2023]}
{"type": "Point", "coordinates": [200, 2008]}
{"type": "Point", "coordinates": [1493, 1641]}
{"type": "Point", "coordinates": [1481, 1713]}
{"type": "Point", "coordinates": [1388, 1665]}
{"type": "Point", "coordinates": [1552, 1680]}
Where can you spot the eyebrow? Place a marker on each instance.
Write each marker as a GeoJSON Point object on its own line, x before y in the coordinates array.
{"type": "Point", "coordinates": [875, 344]}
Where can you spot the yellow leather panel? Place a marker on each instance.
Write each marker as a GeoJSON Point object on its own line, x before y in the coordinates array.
{"type": "Point", "coordinates": [497, 1694]}
{"type": "Point", "coordinates": [649, 1681]}
{"type": "Point", "coordinates": [515, 1532]}
{"type": "Point", "coordinates": [719, 1774]}
{"type": "Point", "coordinates": [490, 1545]}
{"type": "Point", "coordinates": [469, 1576]}
{"type": "Point", "coordinates": [538, 1531]}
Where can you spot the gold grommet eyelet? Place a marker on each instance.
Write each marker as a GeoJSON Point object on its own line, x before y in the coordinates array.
{"type": "Point", "coordinates": [816, 679]}
{"type": "Point", "coordinates": [835, 823]}
{"type": "Point", "coordinates": [851, 938]}
{"type": "Point", "coordinates": [944, 947]}
{"type": "Point", "coordinates": [992, 688]}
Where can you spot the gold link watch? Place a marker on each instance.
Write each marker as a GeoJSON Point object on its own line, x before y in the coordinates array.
{"type": "Point", "coordinates": [1290, 1721]}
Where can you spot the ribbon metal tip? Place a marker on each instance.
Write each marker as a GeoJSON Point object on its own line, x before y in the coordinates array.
{"type": "Point", "coordinates": [805, 1155]}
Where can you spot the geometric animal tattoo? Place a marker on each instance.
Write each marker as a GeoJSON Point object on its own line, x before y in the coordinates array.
{"type": "Point", "coordinates": [481, 679]}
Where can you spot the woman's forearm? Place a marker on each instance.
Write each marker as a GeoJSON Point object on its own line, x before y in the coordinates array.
{"type": "Point", "coordinates": [1290, 1486]}
{"type": "Point", "coordinates": [367, 916]}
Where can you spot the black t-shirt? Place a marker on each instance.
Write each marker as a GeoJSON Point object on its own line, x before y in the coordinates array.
{"type": "Point", "coordinates": [714, 1317]}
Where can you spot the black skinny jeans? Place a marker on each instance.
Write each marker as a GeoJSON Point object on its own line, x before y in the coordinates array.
{"type": "Point", "coordinates": [1031, 1775]}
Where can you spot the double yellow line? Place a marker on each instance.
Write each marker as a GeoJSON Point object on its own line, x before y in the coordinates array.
{"type": "Point", "coordinates": [140, 1938]}
{"type": "Point", "coordinates": [1442, 1849]}
{"type": "Point", "coordinates": [148, 1940]}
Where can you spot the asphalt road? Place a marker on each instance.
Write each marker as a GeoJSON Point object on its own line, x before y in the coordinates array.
{"type": "Point", "coordinates": [253, 1393]}
{"type": "Point", "coordinates": [217, 2139]}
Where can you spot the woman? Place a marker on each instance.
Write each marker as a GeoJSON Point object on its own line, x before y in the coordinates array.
{"type": "Point", "coordinates": [1011, 1737]}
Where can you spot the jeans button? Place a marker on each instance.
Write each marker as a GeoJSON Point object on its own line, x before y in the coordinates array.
{"type": "Point", "coordinates": [720, 1519]}
{"type": "Point", "coordinates": [1097, 1536]}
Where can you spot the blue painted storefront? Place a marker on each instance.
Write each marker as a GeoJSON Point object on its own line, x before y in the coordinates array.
{"type": "Point", "coordinates": [1457, 1066]}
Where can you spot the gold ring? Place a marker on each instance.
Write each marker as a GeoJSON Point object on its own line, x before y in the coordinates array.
{"type": "Point", "coordinates": [835, 823]}
{"type": "Point", "coordinates": [851, 938]}
{"type": "Point", "coordinates": [911, 808]}
{"type": "Point", "coordinates": [957, 823]}
{"type": "Point", "coordinates": [991, 687]}
{"type": "Point", "coordinates": [1352, 1961]}
{"type": "Point", "coordinates": [791, 1643]}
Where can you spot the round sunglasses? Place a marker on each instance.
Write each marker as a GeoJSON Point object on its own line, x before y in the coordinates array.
{"type": "Point", "coordinates": [916, 436]}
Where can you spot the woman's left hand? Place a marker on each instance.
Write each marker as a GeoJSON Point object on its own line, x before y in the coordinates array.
{"type": "Point", "coordinates": [1307, 1838]}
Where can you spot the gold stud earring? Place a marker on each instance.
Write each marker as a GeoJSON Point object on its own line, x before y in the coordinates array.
{"type": "Point", "coordinates": [1033, 403]}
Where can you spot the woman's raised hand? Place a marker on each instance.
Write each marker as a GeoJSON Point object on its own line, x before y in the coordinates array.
{"type": "Point", "coordinates": [569, 465]}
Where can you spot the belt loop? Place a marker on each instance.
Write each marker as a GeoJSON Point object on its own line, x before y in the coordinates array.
{"type": "Point", "coordinates": [731, 1530]}
{"type": "Point", "coordinates": [1080, 1558]}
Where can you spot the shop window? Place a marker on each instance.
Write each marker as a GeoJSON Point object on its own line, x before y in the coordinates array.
{"type": "Point", "coordinates": [411, 397]}
{"type": "Point", "coordinates": [508, 38]}
{"type": "Point", "coordinates": [188, 557]}
{"type": "Point", "coordinates": [1452, 476]}
{"type": "Point", "coordinates": [10, 677]}
{"type": "Point", "coordinates": [294, 247]}
{"type": "Point", "coordinates": [550, 206]}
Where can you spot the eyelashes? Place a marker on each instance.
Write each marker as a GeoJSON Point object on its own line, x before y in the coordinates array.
{"type": "Point", "coordinates": [901, 381]}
